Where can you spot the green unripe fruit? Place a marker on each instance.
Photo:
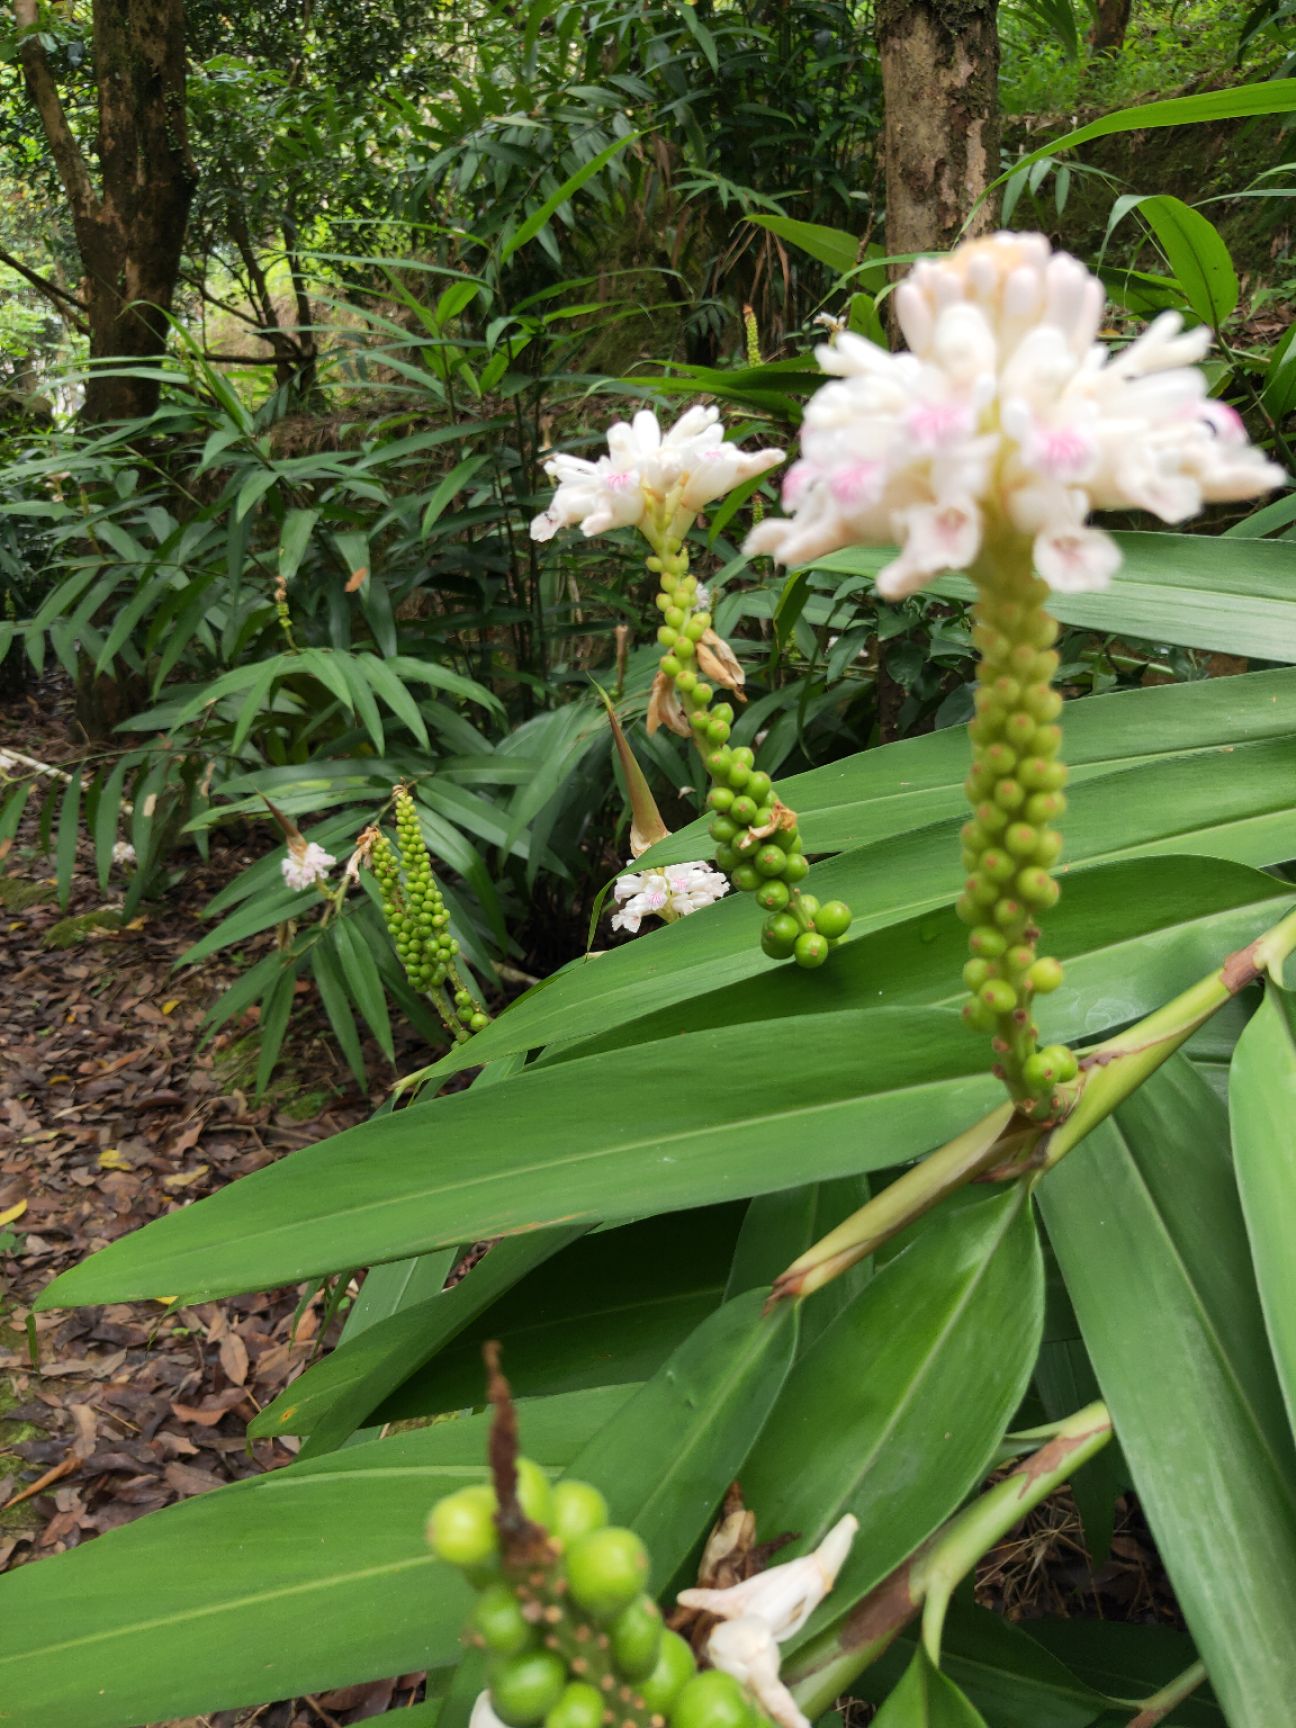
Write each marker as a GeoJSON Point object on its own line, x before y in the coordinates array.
{"type": "Point", "coordinates": [1045, 975]}
{"type": "Point", "coordinates": [718, 763]}
{"type": "Point", "coordinates": [1008, 912]}
{"type": "Point", "coordinates": [975, 974]}
{"type": "Point", "coordinates": [978, 1016]}
{"type": "Point", "coordinates": [1009, 794]}
{"type": "Point", "coordinates": [797, 867]}
{"type": "Point", "coordinates": [717, 731]}
{"type": "Point", "coordinates": [1006, 691]}
{"type": "Point", "coordinates": [1049, 848]}
{"type": "Point", "coordinates": [724, 711]}
{"type": "Point", "coordinates": [1036, 1075]}
{"type": "Point", "coordinates": [771, 860]}
{"type": "Point", "coordinates": [702, 693]}
{"type": "Point", "coordinates": [712, 1700]}
{"type": "Point", "coordinates": [833, 919]}
{"type": "Point", "coordinates": [578, 1509]}
{"type": "Point", "coordinates": [684, 649]}
{"type": "Point", "coordinates": [998, 996]}
{"type": "Point", "coordinates": [461, 1528]}
{"type": "Point", "coordinates": [722, 830]}
{"type": "Point", "coordinates": [742, 812]}
{"type": "Point", "coordinates": [779, 935]}
{"type": "Point", "coordinates": [667, 637]}
{"type": "Point", "coordinates": [696, 629]}
{"type": "Point", "coordinates": [759, 787]}
{"type": "Point", "coordinates": [997, 866]}
{"type": "Point", "coordinates": [720, 799]}
{"type": "Point", "coordinates": [999, 759]}
{"type": "Point", "coordinates": [1043, 630]}
{"type": "Point", "coordinates": [967, 911]}
{"type": "Point", "coordinates": [990, 817]}
{"type": "Point", "coordinates": [808, 905]}
{"type": "Point", "coordinates": [788, 838]}
{"type": "Point", "coordinates": [1022, 659]}
{"type": "Point", "coordinates": [685, 680]}
{"type": "Point", "coordinates": [581, 1706]}
{"type": "Point", "coordinates": [727, 859]}
{"type": "Point", "coordinates": [636, 1636]}
{"type": "Point", "coordinates": [1019, 729]}
{"type": "Point", "coordinates": [987, 942]}
{"type": "Point", "coordinates": [1044, 807]}
{"type": "Point", "coordinates": [772, 896]}
{"type": "Point", "coordinates": [981, 892]}
{"type": "Point", "coordinates": [523, 1689]}
{"type": "Point", "coordinates": [1062, 1061]}
{"type": "Point", "coordinates": [1020, 958]}
{"type": "Point", "coordinates": [1048, 740]}
{"type": "Point", "coordinates": [1037, 887]}
{"type": "Point", "coordinates": [1046, 665]}
{"type": "Point", "coordinates": [738, 775]}
{"type": "Point", "coordinates": [478, 1022]}
{"type": "Point", "coordinates": [746, 878]}
{"type": "Point", "coordinates": [1043, 703]}
{"type": "Point", "coordinates": [674, 617]}
{"type": "Point", "coordinates": [811, 949]}
{"type": "Point", "coordinates": [698, 720]}
{"type": "Point", "coordinates": [498, 1618]}
{"type": "Point", "coordinates": [746, 755]}
{"type": "Point", "coordinates": [534, 1492]}
{"type": "Point", "coordinates": [674, 1668]}
{"type": "Point", "coordinates": [606, 1570]}
{"type": "Point", "coordinates": [1020, 839]}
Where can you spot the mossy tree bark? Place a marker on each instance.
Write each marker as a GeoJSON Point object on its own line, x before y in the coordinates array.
{"type": "Point", "coordinates": [129, 217]}
{"type": "Point", "coordinates": [1111, 21]}
{"type": "Point", "coordinates": [940, 76]}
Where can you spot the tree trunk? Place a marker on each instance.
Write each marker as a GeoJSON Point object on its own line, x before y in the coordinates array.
{"type": "Point", "coordinates": [130, 227]}
{"type": "Point", "coordinates": [940, 83]}
{"type": "Point", "coordinates": [1111, 21]}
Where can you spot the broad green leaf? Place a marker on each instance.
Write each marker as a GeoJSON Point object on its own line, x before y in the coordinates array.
{"type": "Point", "coordinates": [666, 1458]}
{"type": "Point", "coordinates": [605, 1311]}
{"type": "Point", "coordinates": [1276, 97]}
{"type": "Point", "coordinates": [1228, 802]}
{"type": "Point", "coordinates": [1009, 1677]}
{"type": "Point", "coordinates": [896, 1411]}
{"type": "Point", "coordinates": [1148, 1229]}
{"type": "Point", "coordinates": [1262, 1108]}
{"type": "Point", "coordinates": [1230, 595]}
{"type": "Point", "coordinates": [333, 1398]}
{"type": "Point", "coordinates": [831, 246]}
{"type": "Point", "coordinates": [294, 537]}
{"type": "Point", "coordinates": [1130, 1663]}
{"type": "Point", "coordinates": [310, 1577]}
{"type": "Point", "coordinates": [685, 1122]}
{"type": "Point", "coordinates": [108, 814]}
{"type": "Point", "coordinates": [1131, 935]}
{"type": "Point", "coordinates": [1197, 255]}
{"type": "Point", "coordinates": [926, 1698]}
{"type": "Point", "coordinates": [69, 826]}
{"type": "Point", "coordinates": [528, 229]}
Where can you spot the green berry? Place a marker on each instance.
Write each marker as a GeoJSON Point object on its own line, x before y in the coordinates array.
{"type": "Point", "coordinates": [581, 1706]}
{"type": "Point", "coordinates": [771, 860]}
{"type": "Point", "coordinates": [779, 935]}
{"type": "Point", "coordinates": [674, 1668]}
{"type": "Point", "coordinates": [833, 919]}
{"type": "Point", "coordinates": [742, 811]}
{"type": "Point", "coordinates": [997, 866]}
{"type": "Point", "coordinates": [772, 896]}
{"type": "Point", "coordinates": [738, 774]}
{"type": "Point", "coordinates": [978, 1016]}
{"type": "Point", "coordinates": [746, 755]}
{"type": "Point", "coordinates": [523, 1689]}
{"type": "Point", "coordinates": [636, 1636]}
{"type": "Point", "coordinates": [478, 1022]}
{"type": "Point", "coordinates": [1045, 975]}
{"type": "Point", "coordinates": [811, 949]}
{"type": "Point", "coordinates": [717, 731]}
{"type": "Point", "coordinates": [606, 1570]}
{"type": "Point", "coordinates": [797, 867]}
{"type": "Point", "coordinates": [684, 649]}
{"type": "Point", "coordinates": [727, 859]}
{"type": "Point", "coordinates": [578, 1508]}
{"type": "Point", "coordinates": [722, 830]}
{"type": "Point", "coordinates": [1035, 1072]}
{"type": "Point", "coordinates": [1021, 958]}
{"type": "Point", "coordinates": [975, 973]}
{"type": "Point", "coordinates": [1037, 887]}
{"type": "Point", "coordinates": [1062, 1063]}
{"type": "Point", "coordinates": [746, 878]}
{"type": "Point", "coordinates": [1020, 839]}
{"type": "Point", "coordinates": [998, 996]}
{"type": "Point", "coordinates": [1048, 848]}
{"type": "Point", "coordinates": [759, 787]}
{"type": "Point", "coordinates": [986, 941]}
{"type": "Point", "coordinates": [1009, 794]}
{"type": "Point", "coordinates": [718, 763]}
{"type": "Point", "coordinates": [1008, 912]}
{"type": "Point", "coordinates": [1019, 730]}
{"type": "Point", "coordinates": [712, 1700]}
{"type": "Point", "coordinates": [667, 637]}
{"type": "Point", "coordinates": [720, 799]}
{"type": "Point", "coordinates": [497, 1616]}
{"type": "Point", "coordinates": [461, 1528]}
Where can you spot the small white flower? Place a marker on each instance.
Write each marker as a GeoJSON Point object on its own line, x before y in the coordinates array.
{"type": "Point", "coordinates": [1006, 409]}
{"type": "Point", "coordinates": [645, 469]}
{"type": "Point", "coordinates": [123, 853]}
{"type": "Point", "coordinates": [668, 893]}
{"type": "Point", "coordinates": [784, 1597]}
{"type": "Point", "coordinates": [305, 864]}
{"type": "Point", "coordinates": [747, 1649]}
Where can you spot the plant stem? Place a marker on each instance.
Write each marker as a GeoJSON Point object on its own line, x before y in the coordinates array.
{"type": "Point", "coordinates": [827, 1666]}
{"type": "Point", "coordinates": [1159, 1706]}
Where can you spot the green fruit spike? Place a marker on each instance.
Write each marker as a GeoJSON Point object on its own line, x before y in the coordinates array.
{"type": "Point", "coordinates": [499, 1622]}
{"type": "Point", "coordinates": [635, 1636]}
{"type": "Point", "coordinates": [674, 1668]}
{"type": "Point", "coordinates": [581, 1706]}
{"type": "Point", "coordinates": [578, 1508]}
{"type": "Point", "coordinates": [712, 1700]}
{"type": "Point", "coordinates": [606, 1571]}
{"type": "Point", "coordinates": [461, 1528]}
{"type": "Point", "coordinates": [524, 1689]}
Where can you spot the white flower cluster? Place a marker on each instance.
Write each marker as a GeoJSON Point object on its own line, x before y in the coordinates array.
{"type": "Point", "coordinates": [1006, 410]}
{"type": "Point", "coordinates": [691, 464]}
{"type": "Point", "coordinates": [766, 1610]}
{"type": "Point", "coordinates": [304, 864]}
{"type": "Point", "coordinates": [668, 893]}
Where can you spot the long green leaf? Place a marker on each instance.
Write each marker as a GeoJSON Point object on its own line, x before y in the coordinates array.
{"type": "Point", "coordinates": [831, 246]}
{"type": "Point", "coordinates": [314, 1576]}
{"type": "Point", "coordinates": [685, 1122]}
{"type": "Point", "coordinates": [667, 1456]}
{"type": "Point", "coordinates": [896, 1411]}
{"type": "Point", "coordinates": [1148, 1229]}
{"type": "Point", "coordinates": [1262, 1107]}
{"type": "Point", "coordinates": [528, 229]}
{"type": "Point", "coordinates": [926, 1698]}
{"type": "Point", "coordinates": [1197, 255]}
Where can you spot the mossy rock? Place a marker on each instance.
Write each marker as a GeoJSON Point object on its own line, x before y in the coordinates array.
{"type": "Point", "coordinates": [17, 895]}
{"type": "Point", "coordinates": [80, 927]}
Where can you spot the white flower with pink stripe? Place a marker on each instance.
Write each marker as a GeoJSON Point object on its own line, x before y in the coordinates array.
{"type": "Point", "coordinates": [1006, 413]}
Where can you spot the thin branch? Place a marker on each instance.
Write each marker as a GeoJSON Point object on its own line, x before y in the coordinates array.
{"type": "Point", "coordinates": [73, 170]}
{"type": "Point", "coordinates": [51, 290]}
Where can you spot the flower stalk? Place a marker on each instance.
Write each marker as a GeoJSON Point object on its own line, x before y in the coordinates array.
{"type": "Point", "coordinates": [827, 1666]}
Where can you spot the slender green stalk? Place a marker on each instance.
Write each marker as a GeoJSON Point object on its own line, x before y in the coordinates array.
{"type": "Point", "coordinates": [827, 1666]}
{"type": "Point", "coordinates": [1159, 1706]}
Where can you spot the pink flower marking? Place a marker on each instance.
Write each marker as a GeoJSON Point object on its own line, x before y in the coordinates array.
{"type": "Point", "coordinates": [795, 481]}
{"type": "Point", "coordinates": [933, 424]}
{"type": "Point", "coordinates": [621, 481]}
{"type": "Point", "coordinates": [1062, 452]}
{"type": "Point", "coordinates": [857, 482]}
{"type": "Point", "coordinates": [1224, 421]}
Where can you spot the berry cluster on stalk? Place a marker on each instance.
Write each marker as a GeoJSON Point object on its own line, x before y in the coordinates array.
{"type": "Point", "coordinates": [419, 924]}
{"type": "Point", "coordinates": [572, 1639]}
{"type": "Point", "coordinates": [1015, 788]}
{"type": "Point", "coordinates": [758, 843]}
